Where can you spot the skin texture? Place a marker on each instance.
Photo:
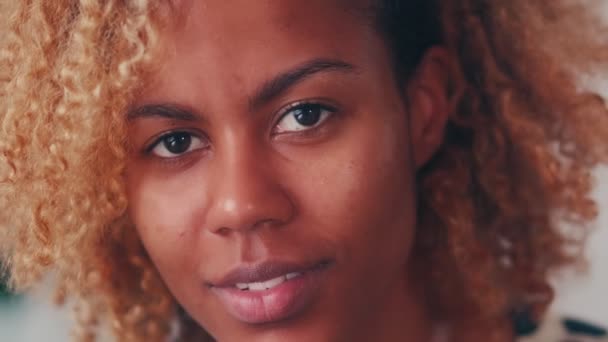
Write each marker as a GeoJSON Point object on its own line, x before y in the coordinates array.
{"type": "Point", "coordinates": [249, 190]}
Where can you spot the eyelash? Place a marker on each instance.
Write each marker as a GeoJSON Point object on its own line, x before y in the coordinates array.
{"type": "Point", "coordinates": [149, 150]}
{"type": "Point", "coordinates": [326, 112]}
{"type": "Point", "coordinates": [303, 105]}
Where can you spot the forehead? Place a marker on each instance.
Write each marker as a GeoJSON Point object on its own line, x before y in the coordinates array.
{"type": "Point", "coordinates": [247, 40]}
{"type": "Point", "coordinates": [234, 23]}
{"type": "Point", "coordinates": [222, 10]}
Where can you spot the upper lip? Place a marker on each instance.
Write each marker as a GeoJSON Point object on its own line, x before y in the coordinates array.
{"type": "Point", "coordinates": [263, 271]}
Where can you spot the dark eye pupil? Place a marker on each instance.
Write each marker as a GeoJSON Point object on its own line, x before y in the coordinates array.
{"type": "Point", "coordinates": [178, 143]}
{"type": "Point", "coordinates": [308, 115]}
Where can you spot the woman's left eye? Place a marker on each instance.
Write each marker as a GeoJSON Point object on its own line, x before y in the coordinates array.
{"type": "Point", "coordinates": [303, 117]}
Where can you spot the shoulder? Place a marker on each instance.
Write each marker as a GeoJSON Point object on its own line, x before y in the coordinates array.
{"type": "Point", "coordinates": [563, 329]}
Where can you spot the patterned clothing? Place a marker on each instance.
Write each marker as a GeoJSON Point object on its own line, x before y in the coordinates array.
{"type": "Point", "coordinates": [553, 329]}
{"type": "Point", "coordinates": [558, 329]}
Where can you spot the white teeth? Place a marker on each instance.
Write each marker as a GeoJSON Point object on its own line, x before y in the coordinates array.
{"type": "Point", "coordinates": [257, 287]}
{"type": "Point", "coordinates": [293, 275]}
{"type": "Point", "coordinates": [274, 282]}
{"type": "Point", "coordinates": [267, 285]}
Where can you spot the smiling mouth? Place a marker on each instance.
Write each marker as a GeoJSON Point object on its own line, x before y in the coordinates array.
{"type": "Point", "coordinates": [271, 291]}
{"type": "Point", "coordinates": [269, 284]}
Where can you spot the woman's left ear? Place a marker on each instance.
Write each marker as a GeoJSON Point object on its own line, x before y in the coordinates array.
{"type": "Point", "coordinates": [430, 101]}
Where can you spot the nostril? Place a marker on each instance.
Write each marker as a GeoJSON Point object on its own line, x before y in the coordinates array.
{"type": "Point", "coordinates": [224, 231]}
{"type": "Point", "coordinates": [244, 204]}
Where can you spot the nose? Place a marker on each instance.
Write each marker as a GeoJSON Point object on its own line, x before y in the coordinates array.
{"type": "Point", "coordinates": [247, 195]}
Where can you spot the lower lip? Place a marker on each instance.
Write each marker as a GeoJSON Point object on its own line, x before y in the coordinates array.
{"type": "Point", "coordinates": [276, 304]}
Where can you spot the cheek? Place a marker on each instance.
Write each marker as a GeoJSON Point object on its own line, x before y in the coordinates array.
{"type": "Point", "coordinates": [366, 205]}
{"type": "Point", "coordinates": [162, 210]}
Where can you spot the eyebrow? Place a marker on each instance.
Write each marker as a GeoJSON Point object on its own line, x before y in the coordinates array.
{"type": "Point", "coordinates": [278, 85]}
{"type": "Point", "coordinates": [269, 90]}
{"type": "Point", "coordinates": [165, 110]}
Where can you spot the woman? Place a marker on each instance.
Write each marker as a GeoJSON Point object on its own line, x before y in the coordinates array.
{"type": "Point", "coordinates": [298, 171]}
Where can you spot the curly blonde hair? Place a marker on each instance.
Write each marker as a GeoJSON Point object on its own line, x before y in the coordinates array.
{"type": "Point", "coordinates": [515, 164]}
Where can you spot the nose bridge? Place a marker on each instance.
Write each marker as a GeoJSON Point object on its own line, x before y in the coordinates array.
{"type": "Point", "coordinates": [247, 190]}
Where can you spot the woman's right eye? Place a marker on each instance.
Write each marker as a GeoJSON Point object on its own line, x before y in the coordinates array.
{"type": "Point", "coordinates": [176, 144]}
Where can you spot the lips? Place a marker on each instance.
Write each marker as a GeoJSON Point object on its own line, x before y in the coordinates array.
{"type": "Point", "coordinates": [268, 284]}
{"type": "Point", "coordinates": [270, 291]}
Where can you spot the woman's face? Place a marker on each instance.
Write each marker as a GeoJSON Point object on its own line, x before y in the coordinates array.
{"type": "Point", "coordinates": [272, 166]}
